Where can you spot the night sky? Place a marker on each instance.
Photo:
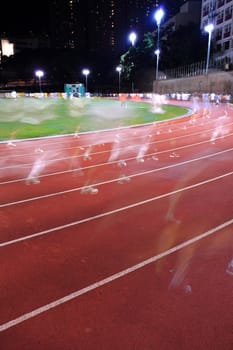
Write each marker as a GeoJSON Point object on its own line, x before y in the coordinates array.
{"type": "Point", "coordinates": [20, 17]}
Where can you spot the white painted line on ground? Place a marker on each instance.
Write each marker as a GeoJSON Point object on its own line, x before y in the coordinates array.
{"type": "Point", "coordinates": [111, 212]}
{"type": "Point", "coordinates": [111, 278]}
{"type": "Point", "coordinates": [133, 138]}
{"type": "Point", "coordinates": [106, 163]}
{"type": "Point", "coordinates": [115, 180]}
{"type": "Point", "coordinates": [125, 147]}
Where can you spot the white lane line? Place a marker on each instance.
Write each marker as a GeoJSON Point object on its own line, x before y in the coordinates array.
{"type": "Point", "coordinates": [115, 180]}
{"type": "Point", "coordinates": [106, 163]}
{"type": "Point", "coordinates": [112, 140]}
{"type": "Point", "coordinates": [122, 148]}
{"type": "Point", "coordinates": [111, 278]}
{"type": "Point", "coordinates": [111, 212]}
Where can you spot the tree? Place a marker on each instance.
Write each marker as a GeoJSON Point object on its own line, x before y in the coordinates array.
{"type": "Point", "coordinates": [137, 59]}
{"type": "Point", "coordinates": [173, 54]}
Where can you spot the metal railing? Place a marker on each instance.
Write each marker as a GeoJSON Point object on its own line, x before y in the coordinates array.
{"type": "Point", "coordinates": [194, 69]}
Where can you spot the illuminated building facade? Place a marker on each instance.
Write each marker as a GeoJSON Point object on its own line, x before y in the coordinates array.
{"type": "Point", "coordinates": [189, 12]}
{"type": "Point", "coordinates": [68, 23]}
{"type": "Point", "coordinates": [220, 13]}
{"type": "Point", "coordinates": [6, 48]}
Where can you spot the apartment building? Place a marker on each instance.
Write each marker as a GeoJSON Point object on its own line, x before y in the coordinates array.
{"type": "Point", "coordinates": [189, 12]}
{"type": "Point", "coordinates": [98, 26]}
{"type": "Point", "coordinates": [220, 13]}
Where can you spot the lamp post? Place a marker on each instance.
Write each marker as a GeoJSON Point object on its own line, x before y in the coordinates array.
{"type": "Point", "coordinates": [158, 18]}
{"type": "Point", "coordinates": [157, 52]}
{"type": "Point", "coordinates": [132, 38]}
{"type": "Point", "coordinates": [86, 72]}
{"type": "Point", "coordinates": [118, 69]}
{"type": "Point", "coordinates": [209, 29]}
{"type": "Point", "coordinates": [39, 74]}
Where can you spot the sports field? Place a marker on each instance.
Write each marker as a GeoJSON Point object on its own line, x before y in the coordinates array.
{"type": "Point", "coordinates": [32, 117]}
{"type": "Point", "coordinates": [117, 239]}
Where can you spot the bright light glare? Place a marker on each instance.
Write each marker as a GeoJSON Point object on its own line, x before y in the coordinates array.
{"type": "Point", "coordinates": [132, 38]}
{"type": "Point", "coordinates": [7, 48]}
{"type": "Point", "coordinates": [159, 15]}
{"type": "Point", "coordinates": [118, 69]}
{"type": "Point", "coordinates": [157, 52]}
{"type": "Point", "coordinates": [86, 71]}
{"type": "Point", "coordinates": [209, 28]}
{"type": "Point", "coordinates": [39, 73]}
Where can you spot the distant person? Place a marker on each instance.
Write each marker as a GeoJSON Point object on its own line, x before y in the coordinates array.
{"type": "Point", "coordinates": [122, 98]}
{"type": "Point", "coordinates": [212, 97]}
{"type": "Point", "coordinates": [13, 94]}
{"type": "Point", "coordinates": [217, 100]}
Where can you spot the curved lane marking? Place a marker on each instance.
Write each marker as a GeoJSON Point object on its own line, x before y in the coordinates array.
{"type": "Point", "coordinates": [111, 278]}
{"type": "Point", "coordinates": [115, 180]}
{"type": "Point", "coordinates": [133, 138]}
{"type": "Point", "coordinates": [122, 148]}
{"type": "Point", "coordinates": [111, 212]}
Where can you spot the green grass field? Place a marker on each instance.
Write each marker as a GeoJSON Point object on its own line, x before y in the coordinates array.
{"type": "Point", "coordinates": [31, 117]}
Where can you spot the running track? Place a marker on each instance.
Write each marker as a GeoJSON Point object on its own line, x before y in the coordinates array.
{"type": "Point", "coordinates": [119, 239]}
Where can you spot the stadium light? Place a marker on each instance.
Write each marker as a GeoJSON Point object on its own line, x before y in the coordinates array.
{"type": "Point", "coordinates": [86, 72]}
{"type": "Point", "coordinates": [209, 29]}
{"type": "Point", "coordinates": [133, 38]}
{"type": "Point", "coordinates": [39, 74]}
{"type": "Point", "coordinates": [119, 69]}
{"type": "Point", "coordinates": [159, 14]}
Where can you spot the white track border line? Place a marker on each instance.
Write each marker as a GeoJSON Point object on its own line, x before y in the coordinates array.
{"type": "Point", "coordinates": [133, 138]}
{"type": "Point", "coordinates": [111, 212]}
{"type": "Point", "coordinates": [170, 121]}
{"type": "Point", "coordinates": [106, 163]}
{"type": "Point", "coordinates": [101, 152]}
{"type": "Point", "coordinates": [115, 180]}
{"type": "Point", "coordinates": [111, 278]}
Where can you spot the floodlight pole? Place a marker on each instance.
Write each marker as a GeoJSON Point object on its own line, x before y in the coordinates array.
{"type": "Point", "coordinates": [133, 38]}
{"type": "Point", "coordinates": [118, 69]}
{"type": "Point", "coordinates": [157, 52]}
{"type": "Point", "coordinates": [158, 17]}
{"type": "Point", "coordinates": [209, 29]}
{"type": "Point", "coordinates": [86, 72]}
{"type": "Point", "coordinates": [39, 74]}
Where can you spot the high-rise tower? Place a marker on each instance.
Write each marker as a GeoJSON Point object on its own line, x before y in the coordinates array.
{"type": "Point", "coordinates": [98, 27]}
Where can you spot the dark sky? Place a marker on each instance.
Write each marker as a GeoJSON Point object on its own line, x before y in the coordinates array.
{"type": "Point", "coordinates": [22, 16]}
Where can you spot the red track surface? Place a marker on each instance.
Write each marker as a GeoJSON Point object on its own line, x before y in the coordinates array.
{"type": "Point", "coordinates": [143, 264]}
